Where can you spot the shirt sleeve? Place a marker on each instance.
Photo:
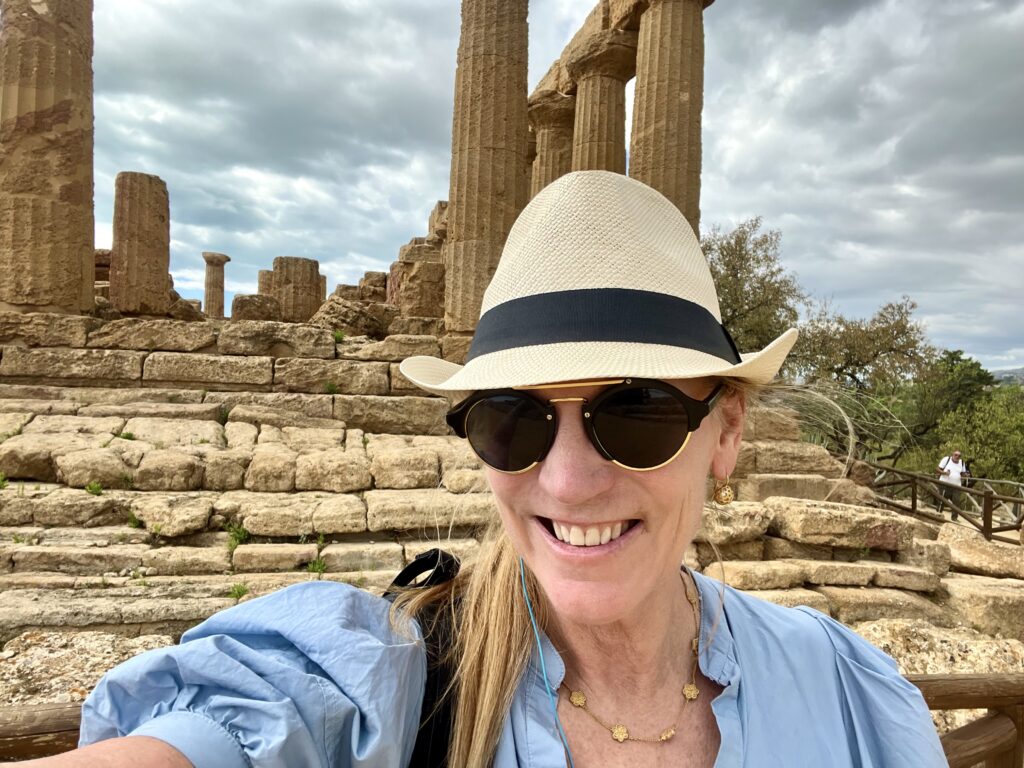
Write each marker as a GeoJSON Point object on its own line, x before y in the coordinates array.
{"type": "Point", "coordinates": [887, 721]}
{"type": "Point", "coordinates": [311, 675]}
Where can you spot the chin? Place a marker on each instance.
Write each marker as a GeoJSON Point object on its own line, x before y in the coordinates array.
{"type": "Point", "coordinates": [589, 603]}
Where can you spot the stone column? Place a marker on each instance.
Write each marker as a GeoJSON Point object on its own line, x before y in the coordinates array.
{"type": "Point", "coordinates": [46, 144]}
{"type": "Point", "coordinates": [601, 66]}
{"type": "Point", "coordinates": [140, 281]}
{"type": "Point", "coordinates": [489, 136]}
{"type": "Point", "coordinates": [297, 287]}
{"type": "Point", "coordinates": [323, 288]}
{"type": "Point", "coordinates": [213, 297]}
{"type": "Point", "coordinates": [665, 146]}
{"type": "Point", "coordinates": [552, 115]}
{"type": "Point", "coordinates": [265, 282]}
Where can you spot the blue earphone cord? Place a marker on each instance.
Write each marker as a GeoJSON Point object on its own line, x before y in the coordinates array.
{"type": "Point", "coordinates": [543, 667]}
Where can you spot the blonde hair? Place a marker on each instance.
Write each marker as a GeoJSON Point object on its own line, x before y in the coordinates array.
{"type": "Point", "coordinates": [492, 637]}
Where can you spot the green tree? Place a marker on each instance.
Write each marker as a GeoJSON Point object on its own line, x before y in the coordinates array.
{"type": "Point", "coordinates": [876, 355]}
{"type": "Point", "coordinates": [990, 432]}
{"type": "Point", "coordinates": [758, 298]}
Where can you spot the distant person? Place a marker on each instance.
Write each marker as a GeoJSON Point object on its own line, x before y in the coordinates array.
{"type": "Point", "coordinates": [951, 470]}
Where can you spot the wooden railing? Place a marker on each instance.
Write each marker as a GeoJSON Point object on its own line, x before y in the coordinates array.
{"type": "Point", "coordinates": [995, 740]}
{"type": "Point", "coordinates": [922, 495]}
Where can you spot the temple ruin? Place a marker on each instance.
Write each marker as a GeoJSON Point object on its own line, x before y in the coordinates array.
{"type": "Point", "coordinates": [158, 464]}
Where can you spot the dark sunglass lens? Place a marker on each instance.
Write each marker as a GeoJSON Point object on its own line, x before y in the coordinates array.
{"type": "Point", "coordinates": [641, 427]}
{"type": "Point", "coordinates": [509, 432]}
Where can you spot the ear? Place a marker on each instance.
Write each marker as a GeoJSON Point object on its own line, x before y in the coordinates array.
{"type": "Point", "coordinates": [732, 412]}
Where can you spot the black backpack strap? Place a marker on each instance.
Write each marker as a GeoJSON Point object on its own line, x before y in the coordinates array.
{"type": "Point", "coordinates": [431, 749]}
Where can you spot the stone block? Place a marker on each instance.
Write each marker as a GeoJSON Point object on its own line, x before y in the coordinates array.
{"type": "Point", "coordinates": [417, 326]}
{"type": "Point", "coordinates": [393, 415]}
{"type": "Point", "coordinates": [969, 552]}
{"type": "Point", "coordinates": [169, 470]}
{"type": "Point", "coordinates": [282, 418]}
{"type": "Point", "coordinates": [279, 516]}
{"type": "Point", "coordinates": [353, 318]}
{"type": "Point", "coordinates": [183, 411]}
{"type": "Point", "coordinates": [438, 222]}
{"type": "Point", "coordinates": [86, 560]}
{"type": "Point", "coordinates": [992, 606]}
{"type": "Point", "coordinates": [154, 335]}
{"type": "Point", "coordinates": [933, 556]}
{"type": "Point", "coordinates": [99, 465]}
{"type": "Point", "coordinates": [418, 249]}
{"type": "Point", "coordinates": [782, 549]}
{"type": "Point", "coordinates": [240, 434]}
{"type": "Point", "coordinates": [435, 508]}
{"type": "Point", "coordinates": [377, 556]}
{"type": "Point", "coordinates": [74, 425]}
{"type": "Point", "coordinates": [464, 549]}
{"type": "Point", "coordinates": [311, 440]}
{"type": "Point", "coordinates": [739, 521]}
{"type": "Point", "coordinates": [31, 456]}
{"type": "Point", "coordinates": [272, 469]}
{"type": "Point", "coordinates": [392, 349]}
{"type": "Point", "coordinates": [853, 604]}
{"type": "Point", "coordinates": [780, 457]}
{"type": "Point", "coordinates": [255, 307]}
{"type": "Point", "coordinates": [791, 598]}
{"type": "Point", "coordinates": [455, 348]}
{"type": "Point", "coordinates": [216, 371]}
{"type": "Point", "coordinates": [36, 407]}
{"type": "Point", "coordinates": [740, 550]}
{"type": "Point", "coordinates": [335, 470]}
{"type": "Point", "coordinates": [255, 337]}
{"type": "Point", "coordinates": [273, 557]}
{"type": "Point", "coordinates": [862, 554]}
{"type": "Point", "coordinates": [836, 573]}
{"type": "Point", "coordinates": [845, 491]}
{"type": "Point", "coordinates": [905, 577]}
{"type": "Point", "coordinates": [42, 329]}
{"type": "Point", "coordinates": [758, 487]}
{"type": "Point", "coordinates": [172, 515]}
{"type": "Point", "coordinates": [340, 513]}
{"type": "Point", "coordinates": [779, 574]}
{"type": "Point", "coordinates": [465, 481]}
{"type": "Point", "coordinates": [409, 468]}
{"type": "Point", "coordinates": [772, 424]}
{"type": "Point", "coordinates": [171, 432]}
{"type": "Point", "coordinates": [225, 470]}
{"type": "Point", "coordinates": [314, 406]}
{"type": "Point", "coordinates": [187, 561]}
{"type": "Point", "coordinates": [820, 522]}
{"type": "Point", "coordinates": [12, 423]}
{"type": "Point", "coordinates": [421, 290]}
{"type": "Point", "coordinates": [71, 366]}
{"type": "Point", "coordinates": [66, 507]}
{"type": "Point", "coordinates": [345, 377]}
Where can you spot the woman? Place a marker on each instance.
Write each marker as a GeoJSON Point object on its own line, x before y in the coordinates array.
{"type": "Point", "coordinates": [601, 392]}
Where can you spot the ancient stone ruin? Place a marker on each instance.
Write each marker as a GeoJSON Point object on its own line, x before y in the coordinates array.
{"type": "Point", "coordinates": [158, 464]}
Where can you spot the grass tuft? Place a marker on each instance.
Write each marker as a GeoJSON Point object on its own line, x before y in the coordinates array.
{"type": "Point", "coordinates": [94, 488]}
{"type": "Point", "coordinates": [238, 591]}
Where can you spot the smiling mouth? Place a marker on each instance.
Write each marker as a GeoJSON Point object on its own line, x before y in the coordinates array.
{"type": "Point", "coordinates": [587, 536]}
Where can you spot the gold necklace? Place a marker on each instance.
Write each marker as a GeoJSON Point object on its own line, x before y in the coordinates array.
{"type": "Point", "coordinates": [620, 732]}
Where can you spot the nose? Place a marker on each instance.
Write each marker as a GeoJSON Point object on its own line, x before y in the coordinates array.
{"type": "Point", "coordinates": [574, 473]}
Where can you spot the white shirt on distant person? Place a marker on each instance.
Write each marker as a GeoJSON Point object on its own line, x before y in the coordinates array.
{"type": "Point", "coordinates": [956, 468]}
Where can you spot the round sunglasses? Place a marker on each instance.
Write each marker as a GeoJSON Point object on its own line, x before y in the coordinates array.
{"type": "Point", "coordinates": [639, 424]}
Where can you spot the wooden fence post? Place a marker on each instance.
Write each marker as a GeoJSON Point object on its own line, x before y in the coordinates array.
{"type": "Point", "coordinates": [986, 515]}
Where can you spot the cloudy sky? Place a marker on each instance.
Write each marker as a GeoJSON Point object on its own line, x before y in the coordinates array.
{"type": "Point", "coordinates": [882, 138]}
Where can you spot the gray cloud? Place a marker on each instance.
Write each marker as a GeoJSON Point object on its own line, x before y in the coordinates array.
{"type": "Point", "coordinates": [881, 137]}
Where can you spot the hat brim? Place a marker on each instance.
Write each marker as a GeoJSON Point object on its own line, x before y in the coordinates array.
{"type": "Point", "coordinates": [580, 361]}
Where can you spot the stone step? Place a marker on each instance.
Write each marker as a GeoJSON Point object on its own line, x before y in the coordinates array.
{"type": "Point", "coordinates": [786, 574]}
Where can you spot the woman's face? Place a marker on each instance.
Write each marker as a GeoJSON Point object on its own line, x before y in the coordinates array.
{"type": "Point", "coordinates": [657, 512]}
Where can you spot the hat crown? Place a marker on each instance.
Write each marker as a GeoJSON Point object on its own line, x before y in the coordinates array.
{"type": "Point", "coordinates": [600, 230]}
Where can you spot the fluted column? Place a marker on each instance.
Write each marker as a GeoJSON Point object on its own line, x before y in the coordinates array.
{"type": "Point", "coordinates": [552, 115]}
{"type": "Point", "coordinates": [297, 287]}
{"type": "Point", "coordinates": [46, 146]}
{"type": "Point", "coordinates": [140, 258]}
{"type": "Point", "coordinates": [601, 68]}
{"type": "Point", "coordinates": [265, 282]}
{"type": "Point", "coordinates": [665, 146]}
{"type": "Point", "coordinates": [489, 136]}
{"type": "Point", "coordinates": [213, 297]}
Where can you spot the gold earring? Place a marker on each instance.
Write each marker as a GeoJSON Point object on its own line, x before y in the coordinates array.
{"type": "Point", "coordinates": [723, 492]}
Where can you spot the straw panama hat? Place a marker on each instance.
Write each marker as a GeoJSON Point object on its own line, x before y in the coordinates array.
{"type": "Point", "coordinates": [601, 277]}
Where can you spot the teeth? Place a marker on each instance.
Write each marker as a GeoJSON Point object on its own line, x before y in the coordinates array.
{"type": "Point", "coordinates": [587, 537]}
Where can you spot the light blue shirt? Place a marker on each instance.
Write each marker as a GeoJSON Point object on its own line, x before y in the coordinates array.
{"type": "Point", "coordinates": [313, 675]}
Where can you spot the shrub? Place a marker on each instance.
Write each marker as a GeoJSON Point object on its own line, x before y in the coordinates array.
{"type": "Point", "coordinates": [133, 521]}
{"type": "Point", "coordinates": [330, 388]}
{"type": "Point", "coordinates": [94, 488]}
{"type": "Point", "coordinates": [238, 535]}
{"type": "Point", "coordinates": [317, 566]}
{"type": "Point", "coordinates": [238, 591]}
{"type": "Point", "coordinates": [339, 336]}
